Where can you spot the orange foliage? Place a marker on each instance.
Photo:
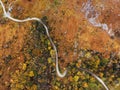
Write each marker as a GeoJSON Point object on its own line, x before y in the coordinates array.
{"type": "Point", "coordinates": [68, 25]}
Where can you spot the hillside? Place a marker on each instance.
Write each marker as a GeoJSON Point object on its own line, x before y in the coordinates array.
{"type": "Point", "coordinates": [85, 32]}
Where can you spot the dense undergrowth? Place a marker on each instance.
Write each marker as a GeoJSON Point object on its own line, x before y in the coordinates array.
{"type": "Point", "coordinates": [38, 70]}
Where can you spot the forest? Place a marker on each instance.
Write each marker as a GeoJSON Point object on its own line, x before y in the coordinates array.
{"type": "Point", "coordinates": [59, 44]}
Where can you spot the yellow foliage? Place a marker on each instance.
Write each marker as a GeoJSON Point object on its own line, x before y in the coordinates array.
{"type": "Point", "coordinates": [70, 78]}
{"type": "Point", "coordinates": [20, 86]}
{"type": "Point", "coordinates": [85, 85]}
{"type": "Point", "coordinates": [69, 12]}
{"type": "Point", "coordinates": [97, 62]}
{"type": "Point", "coordinates": [78, 73]}
{"type": "Point", "coordinates": [34, 87]}
{"type": "Point", "coordinates": [76, 78]}
{"type": "Point", "coordinates": [31, 74]}
{"type": "Point", "coordinates": [49, 60]}
{"type": "Point", "coordinates": [92, 79]}
{"type": "Point", "coordinates": [88, 55]}
{"type": "Point", "coordinates": [44, 67]}
{"type": "Point", "coordinates": [56, 88]}
{"type": "Point", "coordinates": [17, 72]}
{"type": "Point", "coordinates": [49, 47]}
{"type": "Point", "coordinates": [78, 65]}
{"type": "Point", "coordinates": [24, 66]}
{"type": "Point", "coordinates": [52, 53]}
{"type": "Point", "coordinates": [101, 74]}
